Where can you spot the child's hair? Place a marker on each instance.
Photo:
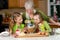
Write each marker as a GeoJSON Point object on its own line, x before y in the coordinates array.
{"type": "Point", "coordinates": [16, 14]}
{"type": "Point", "coordinates": [37, 13]}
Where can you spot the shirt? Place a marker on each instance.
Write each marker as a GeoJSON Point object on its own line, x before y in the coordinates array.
{"type": "Point", "coordinates": [45, 27]}
{"type": "Point", "coordinates": [15, 27]}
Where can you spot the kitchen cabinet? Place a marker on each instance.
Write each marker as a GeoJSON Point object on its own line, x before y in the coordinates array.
{"type": "Point", "coordinates": [16, 3]}
{"type": "Point", "coordinates": [41, 4]}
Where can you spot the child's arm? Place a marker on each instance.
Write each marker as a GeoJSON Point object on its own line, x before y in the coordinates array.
{"type": "Point", "coordinates": [48, 29]}
{"type": "Point", "coordinates": [11, 26]}
{"type": "Point", "coordinates": [41, 27]}
{"type": "Point", "coordinates": [14, 28]}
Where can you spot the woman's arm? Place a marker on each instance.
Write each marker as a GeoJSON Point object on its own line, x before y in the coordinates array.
{"type": "Point", "coordinates": [52, 21]}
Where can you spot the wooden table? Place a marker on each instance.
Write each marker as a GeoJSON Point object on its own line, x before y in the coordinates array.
{"type": "Point", "coordinates": [54, 26]}
{"type": "Point", "coordinates": [46, 34]}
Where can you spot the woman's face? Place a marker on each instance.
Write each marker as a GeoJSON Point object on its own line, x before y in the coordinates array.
{"type": "Point", "coordinates": [36, 19]}
{"type": "Point", "coordinates": [18, 19]}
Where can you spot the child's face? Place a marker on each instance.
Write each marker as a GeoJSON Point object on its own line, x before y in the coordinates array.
{"type": "Point", "coordinates": [18, 19]}
{"type": "Point", "coordinates": [36, 19]}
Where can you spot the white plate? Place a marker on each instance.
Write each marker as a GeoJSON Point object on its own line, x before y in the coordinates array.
{"type": "Point", "coordinates": [5, 33]}
{"type": "Point", "coordinates": [57, 30]}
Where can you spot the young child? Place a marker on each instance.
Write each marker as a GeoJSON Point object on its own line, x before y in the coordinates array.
{"type": "Point", "coordinates": [41, 25]}
{"type": "Point", "coordinates": [17, 24]}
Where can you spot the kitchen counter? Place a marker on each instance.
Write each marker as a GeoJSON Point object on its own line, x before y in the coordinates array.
{"type": "Point", "coordinates": [52, 37]}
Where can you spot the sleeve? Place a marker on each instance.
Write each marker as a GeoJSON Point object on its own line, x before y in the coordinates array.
{"type": "Point", "coordinates": [22, 26]}
{"type": "Point", "coordinates": [14, 28]}
{"type": "Point", "coordinates": [46, 25]}
{"type": "Point", "coordinates": [41, 27]}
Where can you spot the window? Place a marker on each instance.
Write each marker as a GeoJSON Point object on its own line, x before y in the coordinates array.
{"type": "Point", "coordinates": [54, 6]}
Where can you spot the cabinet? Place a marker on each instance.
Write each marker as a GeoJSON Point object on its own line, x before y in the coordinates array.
{"type": "Point", "coordinates": [41, 4]}
{"type": "Point", "coordinates": [19, 3]}
{"type": "Point", "coordinates": [12, 3]}
{"type": "Point", "coordinates": [36, 4]}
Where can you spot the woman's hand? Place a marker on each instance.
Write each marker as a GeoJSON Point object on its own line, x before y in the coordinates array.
{"type": "Point", "coordinates": [58, 24]}
{"type": "Point", "coordinates": [25, 30]}
{"type": "Point", "coordinates": [55, 23]}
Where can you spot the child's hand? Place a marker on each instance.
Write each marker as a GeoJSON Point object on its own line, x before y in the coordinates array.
{"type": "Point", "coordinates": [25, 30]}
{"type": "Point", "coordinates": [43, 33]}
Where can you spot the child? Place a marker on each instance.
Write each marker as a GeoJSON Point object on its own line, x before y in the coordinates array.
{"type": "Point", "coordinates": [17, 23]}
{"type": "Point", "coordinates": [41, 25]}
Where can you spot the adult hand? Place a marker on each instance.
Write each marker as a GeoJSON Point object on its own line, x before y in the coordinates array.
{"type": "Point", "coordinates": [58, 24]}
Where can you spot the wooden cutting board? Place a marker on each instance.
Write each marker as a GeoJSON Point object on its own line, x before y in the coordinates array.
{"type": "Point", "coordinates": [32, 35]}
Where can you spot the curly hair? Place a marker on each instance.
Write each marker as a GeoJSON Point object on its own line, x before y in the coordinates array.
{"type": "Point", "coordinates": [12, 22]}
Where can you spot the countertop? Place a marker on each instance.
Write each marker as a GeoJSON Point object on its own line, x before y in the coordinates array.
{"type": "Point", "coordinates": [52, 37]}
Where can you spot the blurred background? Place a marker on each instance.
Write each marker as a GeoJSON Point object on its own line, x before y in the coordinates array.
{"type": "Point", "coordinates": [7, 7]}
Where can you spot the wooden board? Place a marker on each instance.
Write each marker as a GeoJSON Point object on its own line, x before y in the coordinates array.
{"type": "Point", "coordinates": [32, 35]}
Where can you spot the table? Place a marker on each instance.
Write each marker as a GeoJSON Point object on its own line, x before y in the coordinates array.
{"type": "Point", "coordinates": [52, 37]}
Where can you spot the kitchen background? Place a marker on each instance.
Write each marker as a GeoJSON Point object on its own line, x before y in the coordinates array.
{"type": "Point", "coordinates": [49, 7]}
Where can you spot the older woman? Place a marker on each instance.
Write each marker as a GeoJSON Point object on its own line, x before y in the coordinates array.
{"type": "Point", "coordinates": [30, 13]}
